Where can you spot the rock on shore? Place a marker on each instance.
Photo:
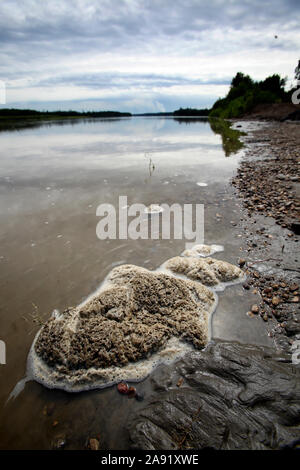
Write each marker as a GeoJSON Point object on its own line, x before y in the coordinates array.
{"type": "Point", "coordinates": [232, 396]}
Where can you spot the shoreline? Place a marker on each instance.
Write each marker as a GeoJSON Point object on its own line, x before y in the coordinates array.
{"type": "Point", "coordinates": [267, 184]}
{"type": "Point", "coordinates": [234, 395]}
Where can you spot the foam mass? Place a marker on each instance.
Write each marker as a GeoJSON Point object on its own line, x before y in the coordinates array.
{"type": "Point", "coordinates": [136, 319]}
{"type": "Point", "coordinates": [208, 271]}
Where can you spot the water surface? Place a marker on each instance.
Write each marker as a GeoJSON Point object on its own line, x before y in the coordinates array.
{"type": "Point", "coordinates": [52, 178]}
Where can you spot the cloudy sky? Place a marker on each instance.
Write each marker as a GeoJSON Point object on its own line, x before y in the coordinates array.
{"type": "Point", "coordinates": [140, 55]}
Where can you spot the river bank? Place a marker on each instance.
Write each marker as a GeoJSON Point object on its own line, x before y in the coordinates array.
{"type": "Point", "coordinates": [232, 395]}
{"type": "Point", "coordinates": [268, 183]}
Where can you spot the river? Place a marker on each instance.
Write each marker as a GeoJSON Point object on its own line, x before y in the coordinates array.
{"type": "Point", "coordinates": [53, 176]}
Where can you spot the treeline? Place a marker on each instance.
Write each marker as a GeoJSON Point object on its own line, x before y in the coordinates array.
{"type": "Point", "coordinates": [191, 112]}
{"type": "Point", "coordinates": [31, 113]}
{"type": "Point", "coordinates": [245, 93]}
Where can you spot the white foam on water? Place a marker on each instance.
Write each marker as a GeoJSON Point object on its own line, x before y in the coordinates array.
{"type": "Point", "coordinates": [153, 209]}
{"type": "Point", "coordinates": [201, 184]}
{"type": "Point", "coordinates": [18, 388]}
{"type": "Point", "coordinates": [92, 378]}
{"type": "Point", "coordinates": [220, 287]}
{"type": "Point", "coordinates": [203, 250]}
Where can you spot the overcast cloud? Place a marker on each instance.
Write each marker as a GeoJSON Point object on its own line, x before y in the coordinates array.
{"type": "Point", "coordinates": [140, 55]}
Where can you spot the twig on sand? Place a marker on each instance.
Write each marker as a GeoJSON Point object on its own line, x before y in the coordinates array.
{"type": "Point", "coordinates": [291, 269]}
{"type": "Point", "coordinates": [262, 261]}
{"type": "Point", "coordinates": [35, 318]}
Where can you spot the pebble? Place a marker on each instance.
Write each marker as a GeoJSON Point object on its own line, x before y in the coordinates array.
{"type": "Point", "coordinates": [131, 392]}
{"type": "Point", "coordinates": [59, 442]}
{"type": "Point", "coordinates": [139, 397]}
{"type": "Point", "coordinates": [180, 382]}
{"type": "Point", "coordinates": [123, 388]}
{"type": "Point", "coordinates": [94, 444]}
{"type": "Point", "coordinates": [275, 301]}
{"type": "Point", "coordinates": [48, 409]}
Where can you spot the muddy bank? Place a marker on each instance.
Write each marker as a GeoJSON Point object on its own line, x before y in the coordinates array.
{"type": "Point", "coordinates": [230, 396]}
{"type": "Point", "coordinates": [274, 112]}
{"type": "Point", "coordinates": [268, 184]}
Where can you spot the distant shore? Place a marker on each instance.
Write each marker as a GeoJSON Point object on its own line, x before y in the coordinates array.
{"type": "Point", "coordinates": [21, 115]}
{"type": "Point", "coordinates": [17, 118]}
